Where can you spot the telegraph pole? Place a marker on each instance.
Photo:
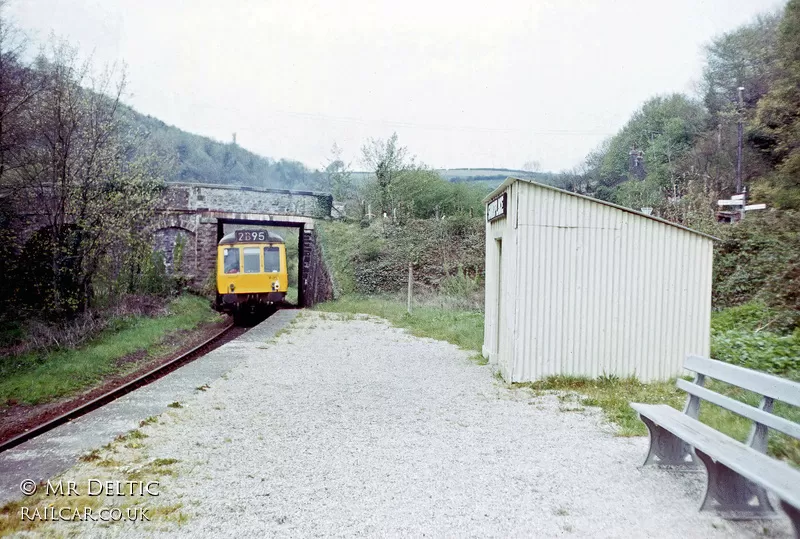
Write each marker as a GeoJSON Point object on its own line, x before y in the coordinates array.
{"type": "Point", "coordinates": [739, 200]}
{"type": "Point", "coordinates": [739, 153]}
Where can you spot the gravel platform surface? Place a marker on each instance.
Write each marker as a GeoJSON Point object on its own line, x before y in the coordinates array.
{"type": "Point", "coordinates": [350, 427]}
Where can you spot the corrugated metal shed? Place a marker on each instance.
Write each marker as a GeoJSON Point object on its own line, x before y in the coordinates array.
{"type": "Point", "coordinates": [583, 287]}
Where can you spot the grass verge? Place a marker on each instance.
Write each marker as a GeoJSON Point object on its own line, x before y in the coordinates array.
{"type": "Point", "coordinates": [613, 396]}
{"type": "Point", "coordinates": [462, 328]}
{"type": "Point", "coordinates": [292, 295]}
{"type": "Point", "coordinates": [39, 377]}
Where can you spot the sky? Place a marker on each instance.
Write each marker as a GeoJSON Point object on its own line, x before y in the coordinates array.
{"type": "Point", "coordinates": [463, 83]}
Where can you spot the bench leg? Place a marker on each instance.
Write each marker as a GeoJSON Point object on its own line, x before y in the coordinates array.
{"type": "Point", "coordinates": [794, 515]}
{"type": "Point", "coordinates": [730, 494]}
{"type": "Point", "coordinates": [666, 447]}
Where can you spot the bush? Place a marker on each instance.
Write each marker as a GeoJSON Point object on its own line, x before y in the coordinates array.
{"type": "Point", "coordinates": [41, 334]}
{"type": "Point", "coordinates": [753, 316]}
{"type": "Point", "coordinates": [461, 285]}
{"type": "Point", "coordinates": [759, 259]}
{"type": "Point", "coordinates": [758, 337]}
{"type": "Point", "coordinates": [763, 351]}
{"type": "Point", "coordinates": [375, 259]}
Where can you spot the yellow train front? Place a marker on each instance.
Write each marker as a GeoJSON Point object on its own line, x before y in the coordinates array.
{"type": "Point", "coordinates": [251, 271]}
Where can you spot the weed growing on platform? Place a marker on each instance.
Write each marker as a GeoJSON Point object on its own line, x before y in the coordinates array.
{"type": "Point", "coordinates": [108, 463]}
{"type": "Point", "coordinates": [10, 514]}
{"type": "Point", "coordinates": [280, 333]}
{"type": "Point", "coordinates": [92, 456]}
{"type": "Point", "coordinates": [132, 440]}
{"type": "Point", "coordinates": [97, 465]}
{"type": "Point", "coordinates": [135, 434]}
{"type": "Point", "coordinates": [478, 359]}
{"type": "Point", "coordinates": [149, 421]}
{"type": "Point", "coordinates": [164, 462]}
{"type": "Point", "coordinates": [170, 513]}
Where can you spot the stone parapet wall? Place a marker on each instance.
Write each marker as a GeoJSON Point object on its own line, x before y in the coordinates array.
{"type": "Point", "coordinates": [232, 199]}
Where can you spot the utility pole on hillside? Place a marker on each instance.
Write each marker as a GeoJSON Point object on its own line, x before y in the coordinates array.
{"type": "Point", "coordinates": [739, 152]}
{"type": "Point", "coordinates": [739, 200]}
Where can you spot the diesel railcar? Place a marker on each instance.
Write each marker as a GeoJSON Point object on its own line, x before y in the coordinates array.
{"type": "Point", "coordinates": [251, 271]}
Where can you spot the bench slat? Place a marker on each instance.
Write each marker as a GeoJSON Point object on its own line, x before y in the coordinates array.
{"type": "Point", "coordinates": [745, 410]}
{"type": "Point", "coordinates": [772, 474]}
{"type": "Point", "coordinates": [764, 384]}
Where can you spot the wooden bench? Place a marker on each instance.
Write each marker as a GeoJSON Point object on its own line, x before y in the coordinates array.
{"type": "Point", "coordinates": [739, 474]}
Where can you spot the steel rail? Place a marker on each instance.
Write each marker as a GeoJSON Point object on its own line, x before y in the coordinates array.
{"type": "Point", "coordinates": [111, 395]}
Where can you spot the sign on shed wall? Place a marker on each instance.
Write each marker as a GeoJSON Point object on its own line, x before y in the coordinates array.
{"type": "Point", "coordinates": [496, 208]}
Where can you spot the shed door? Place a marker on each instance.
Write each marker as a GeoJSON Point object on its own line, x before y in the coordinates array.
{"type": "Point", "coordinates": [499, 307]}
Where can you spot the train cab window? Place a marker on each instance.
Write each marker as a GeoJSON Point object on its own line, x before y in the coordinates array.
{"type": "Point", "coordinates": [231, 256]}
{"type": "Point", "coordinates": [251, 260]}
{"type": "Point", "coordinates": [272, 260]}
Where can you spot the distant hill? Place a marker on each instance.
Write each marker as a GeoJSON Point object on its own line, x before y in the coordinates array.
{"type": "Point", "coordinates": [489, 178]}
{"type": "Point", "coordinates": [204, 160]}
{"type": "Point", "coordinates": [492, 177]}
{"type": "Point", "coordinates": [474, 174]}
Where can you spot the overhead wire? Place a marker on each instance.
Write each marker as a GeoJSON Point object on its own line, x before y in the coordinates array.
{"type": "Point", "coordinates": [413, 125]}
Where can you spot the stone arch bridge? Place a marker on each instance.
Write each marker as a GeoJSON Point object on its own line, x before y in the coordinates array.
{"type": "Point", "coordinates": [196, 216]}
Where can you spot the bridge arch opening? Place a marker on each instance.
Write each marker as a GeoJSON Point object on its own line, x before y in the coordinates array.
{"type": "Point", "coordinates": [207, 210]}
{"type": "Point", "coordinates": [306, 253]}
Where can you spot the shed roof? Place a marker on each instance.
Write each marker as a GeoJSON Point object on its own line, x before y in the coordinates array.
{"type": "Point", "coordinates": [503, 186]}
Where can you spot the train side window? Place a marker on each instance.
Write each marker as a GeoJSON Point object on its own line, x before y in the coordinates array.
{"type": "Point", "coordinates": [231, 260]}
{"type": "Point", "coordinates": [272, 260]}
{"type": "Point", "coordinates": [251, 261]}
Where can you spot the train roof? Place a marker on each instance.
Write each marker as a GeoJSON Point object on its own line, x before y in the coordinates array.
{"type": "Point", "coordinates": [231, 238]}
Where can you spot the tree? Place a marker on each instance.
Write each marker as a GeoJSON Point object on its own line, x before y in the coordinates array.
{"type": "Point", "coordinates": [18, 86]}
{"type": "Point", "coordinates": [532, 166]}
{"type": "Point", "coordinates": [650, 146]}
{"type": "Point", "coordinates": [338, 176]}
{"type": "Point", "coordinates": [80, 175]}
{"type": "Point", "coordinates": [776, 126]}
{"type": "Point", "coordinates": [388, 161]}
{"type": "Point", "coordinates": [745, 57]}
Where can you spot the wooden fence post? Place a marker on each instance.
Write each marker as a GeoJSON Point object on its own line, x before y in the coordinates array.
{"type": "Point", "coordinates": [410, 283]}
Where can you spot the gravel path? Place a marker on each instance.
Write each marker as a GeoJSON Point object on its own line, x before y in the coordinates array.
{"type": "Point", "coordinates": [354, 428]}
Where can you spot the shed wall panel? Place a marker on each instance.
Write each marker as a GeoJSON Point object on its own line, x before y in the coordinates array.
{"type": "Point", "coordinates": [590, 289]}
{"type": "Point", "coordinates": [498, 326]}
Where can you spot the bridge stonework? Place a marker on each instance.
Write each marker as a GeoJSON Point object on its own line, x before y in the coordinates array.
{"type": "Point", "coordinates": [248, 200]}
{"type": "Point", "coordinates": [194, 214]}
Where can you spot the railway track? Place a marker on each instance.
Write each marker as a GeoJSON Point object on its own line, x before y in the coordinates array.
{"type": "Point", "coordinates": [225, 335]}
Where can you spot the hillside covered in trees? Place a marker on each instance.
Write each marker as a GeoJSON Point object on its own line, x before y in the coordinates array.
{"type": "Point", "coordinates": [677, 154]}
{"type": "Point", "coordinates": [199, 159]}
